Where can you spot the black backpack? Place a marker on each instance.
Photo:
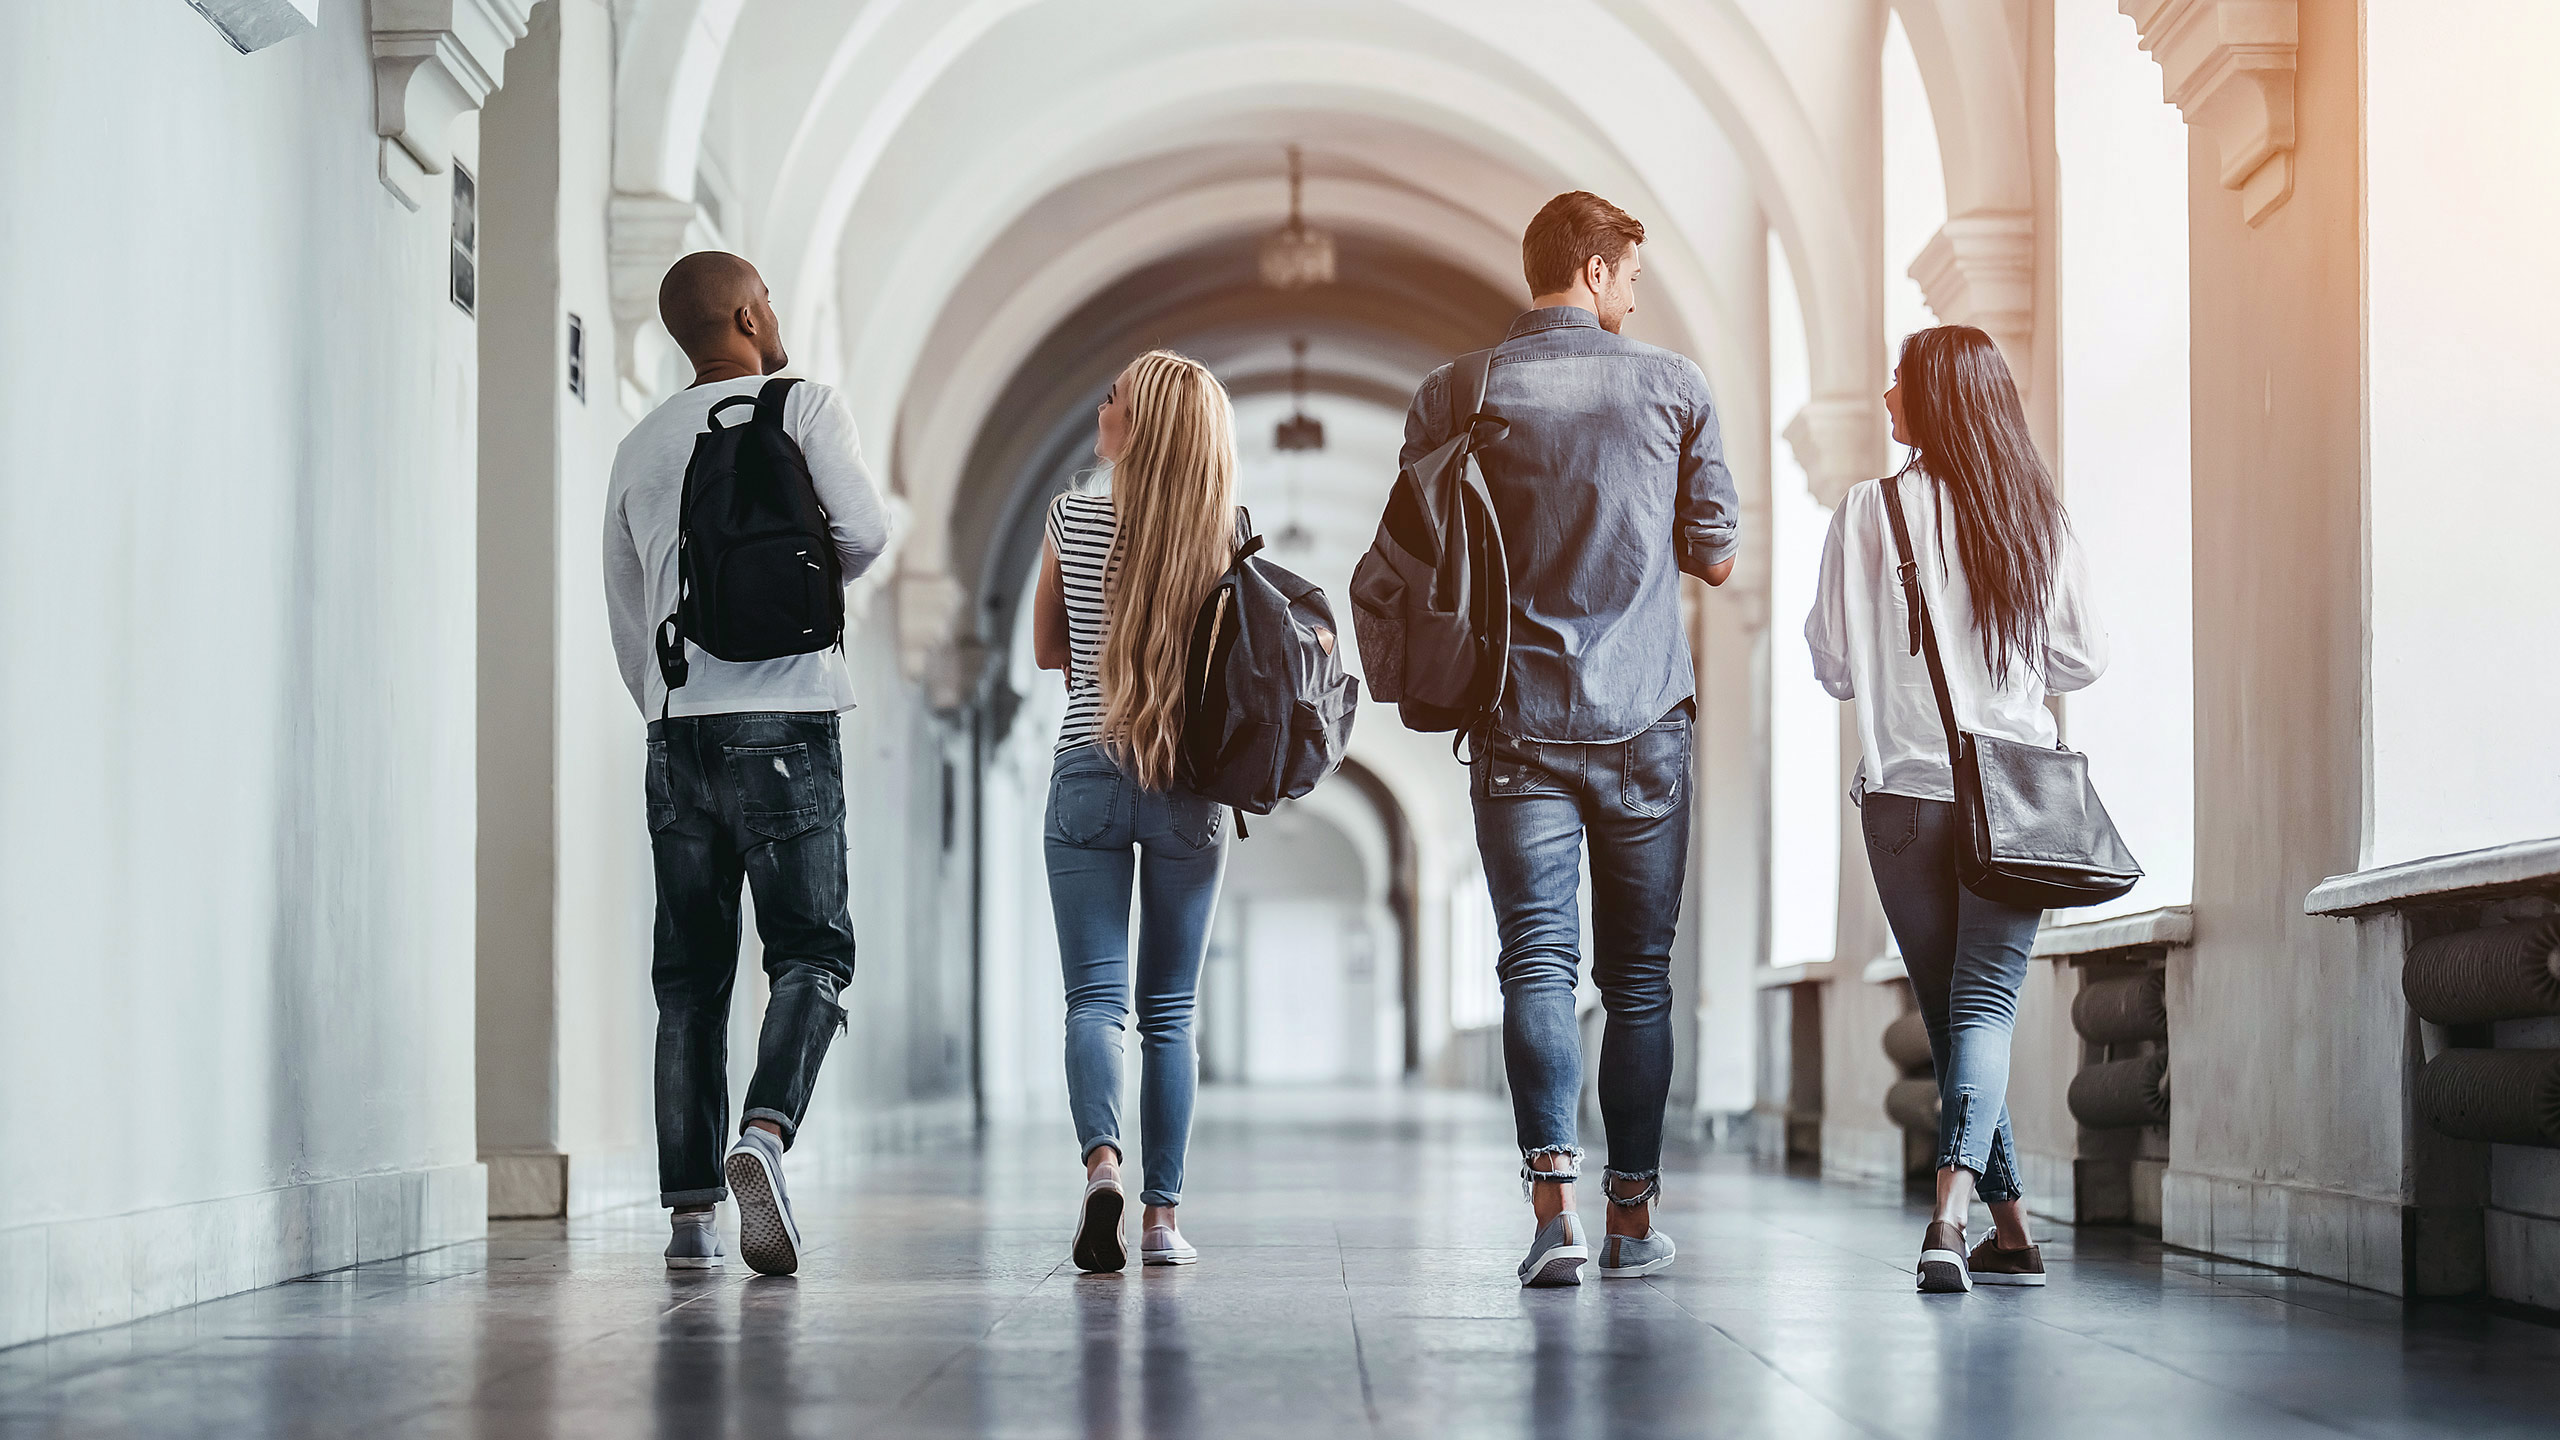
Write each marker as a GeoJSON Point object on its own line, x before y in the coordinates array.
{"type": "Point", "coordinates": [1267, 708]}
{"type": "Point", "coordinates": [1432, 597]}
{"type": "Point", "coordinates": [757, 576]}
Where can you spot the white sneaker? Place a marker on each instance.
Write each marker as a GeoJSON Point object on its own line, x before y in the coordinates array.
{"type": "Point", "coordinates": [1164, 1245]}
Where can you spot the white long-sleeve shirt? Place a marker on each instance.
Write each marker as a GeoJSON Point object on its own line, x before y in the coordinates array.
{"type": "Point", "coordinates": [640, 525]}
{"type": "Point", "coordinates": [1860, 636]}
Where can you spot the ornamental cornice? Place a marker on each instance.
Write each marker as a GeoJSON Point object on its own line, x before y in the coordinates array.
{"type": "Point", "coordinates": [1980, 270]}
{"type": "Point", "coordinates": [1839, 440]}
{"type": "Point", "coordinates": [433, 60]}
{"type": "Point", "coordinates": [2228, 66]}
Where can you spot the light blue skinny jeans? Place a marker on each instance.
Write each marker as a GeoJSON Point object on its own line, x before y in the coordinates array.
{"type": "Point", "coordinates": [1967, 958]}
{"type": "Point", "coordinates": [1105, 832]}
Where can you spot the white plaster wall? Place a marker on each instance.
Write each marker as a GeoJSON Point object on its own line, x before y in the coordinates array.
{"type": "Point", "coordinates": [2462, 176]}
{"type": "Point", "coordinates": [236, 834]}
{"type": "Point", "coordinates": [1807, 785]}
{"type": "Point", "coordinates": [606, 892]}
{"type": "Point", "coordinates": [2121, 215]}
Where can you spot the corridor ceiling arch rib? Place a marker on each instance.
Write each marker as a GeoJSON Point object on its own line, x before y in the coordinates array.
{"type": "Point", "coordinates": [891, 62]}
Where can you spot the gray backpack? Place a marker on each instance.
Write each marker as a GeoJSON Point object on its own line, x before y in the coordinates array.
{"type": "Point", "coordinates": [1267, 707]}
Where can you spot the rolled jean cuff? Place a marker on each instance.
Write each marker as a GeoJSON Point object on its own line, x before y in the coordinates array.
{"type": "Point", "coordinates": [686, 1199]}
{"type": "Point", "coordinates": [1097, 1142]}
{"type": "Point", "coordinates": [1159, 1197]}
{"type": "Point", "coordinates": [790, 1127]}
{"type": "Point", "coordinates": [1990, 1197]}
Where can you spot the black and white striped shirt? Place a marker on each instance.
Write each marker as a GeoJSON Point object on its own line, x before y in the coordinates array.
{"type": "Point", "coordinates": [1081, 529]}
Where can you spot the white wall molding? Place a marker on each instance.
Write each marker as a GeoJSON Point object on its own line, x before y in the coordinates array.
{"type": "Point", "coordinates": [253, 25]}
{"type": "Point", "coordinates": [644, 235]}
{"type": "Point", "coordinates": [433, 60]}
{"type": "Point", "coordinates": [1839, 440]}
{"type": "Point", "coordinates": [2228, 66]}
{"type": "Point", "coordinates": [72, 1275]}
{"type": "Point", "coordinates": [1980, 270]}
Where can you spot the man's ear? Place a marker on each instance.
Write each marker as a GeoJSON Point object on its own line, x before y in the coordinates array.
{"type": "Point", "coordinates": [745, 320]}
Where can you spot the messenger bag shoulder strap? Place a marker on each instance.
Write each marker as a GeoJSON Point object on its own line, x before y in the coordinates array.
{"type": "Point", "coordinates": [1924, 632]}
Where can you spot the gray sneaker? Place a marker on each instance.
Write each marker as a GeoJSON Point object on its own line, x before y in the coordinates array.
{"type": "Point", "coordinates": [1624, 1257]}
{"type": "Point", "coordinates": [1556, 1257]}
{"type": "Point", "coordinates": [768, 1237]}
{"type": "Point", "coordinates": [695, 1245]}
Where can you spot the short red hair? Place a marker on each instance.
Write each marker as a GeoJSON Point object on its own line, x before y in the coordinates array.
{"type": "Point", "coordinates": [1568, 231]}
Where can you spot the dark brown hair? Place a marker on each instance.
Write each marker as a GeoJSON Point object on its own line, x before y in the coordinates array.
{"type": "Point", "coordinates": [1569, 230]}
{"type": "Point", "coordinates": [1969, 433]}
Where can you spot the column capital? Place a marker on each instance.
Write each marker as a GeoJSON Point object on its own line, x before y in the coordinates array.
{"type": "Point", "coordinates": [433, 60]}
{"type": "Point", "coordinates": [1839, 440]}
{"type": "Point", "coordinates": [2228, 66]}
{"type": "Point", "coordinates": [935, 646]}
{"type": "Point", "coordinates": [1980, 270]}
{"type": "Point", "coordinates": [644, 235]}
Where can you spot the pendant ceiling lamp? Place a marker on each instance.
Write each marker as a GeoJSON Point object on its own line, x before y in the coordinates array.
{"type": "Point", "coordinates": [1296, 255]}
{"type": "Point", "coordinates": [1300, 433]}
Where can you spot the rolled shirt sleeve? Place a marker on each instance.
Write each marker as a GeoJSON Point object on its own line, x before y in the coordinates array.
{"type": "Point", "coordinates": [1710, 528]}
{"type": "Point", "coordinates": [1826, 626]}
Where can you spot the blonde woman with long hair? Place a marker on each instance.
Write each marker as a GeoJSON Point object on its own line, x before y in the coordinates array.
{"type": "Point", "coordinates": [1121, 578]}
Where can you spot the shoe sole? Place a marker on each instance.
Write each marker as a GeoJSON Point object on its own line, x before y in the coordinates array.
{"type": "Point", "coordinates": [1630, 1272]}
{"type": "Point", "coordinates": [765, 1240]}
{"type": "Point", "coordinates": [1100, 1247]}
{"type": "Point", "coordinates": [1563, 1266]}
{"type": "Point", "coordinates": [693, 1262]}
{"type": "Point", "coordinates": [1942, 1272]}
{"type": "Point", "coordinates": [1994, 1277]}
{"type": "Point", "coordinates": [1162, 1258]}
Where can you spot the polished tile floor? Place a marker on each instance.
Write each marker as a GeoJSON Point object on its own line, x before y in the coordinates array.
{"type": "Point", "coordinates": [1355, 1280]}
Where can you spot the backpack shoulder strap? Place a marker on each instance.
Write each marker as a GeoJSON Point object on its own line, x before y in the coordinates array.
{"type": "Point", "coordinates": [1466, 387]}
{"type": "Point", "coordinates": [772, 398]}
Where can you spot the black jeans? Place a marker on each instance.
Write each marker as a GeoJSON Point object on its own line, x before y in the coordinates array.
{"type": "Point", "coordinates": [1535, 804]}
{"type": "Point", "coordinates": [758, 797]}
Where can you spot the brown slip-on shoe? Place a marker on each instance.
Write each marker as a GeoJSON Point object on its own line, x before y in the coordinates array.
{"type": "Point", "coordinates": [1992, 1265]}
{"type": "Point", "coordinates": [1942, 1269]}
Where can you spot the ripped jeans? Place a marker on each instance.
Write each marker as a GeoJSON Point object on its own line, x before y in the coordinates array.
{"type": "Point", "coordinates": [1967, 957]}
{"type": "Point", "coordinates": [757, 798]}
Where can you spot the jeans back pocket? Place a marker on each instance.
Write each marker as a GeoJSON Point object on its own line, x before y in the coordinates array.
{"type": "Point", "coordinates": [1084, 797]}
{"type": "Point", "coordinates": [1655, 769]}
{"type": "Point", "coordinates": [777, 785]}
{"type": "Point", "coordinates": [1890, 822]}
{"type": "Point", "coordinates": [660, 788]}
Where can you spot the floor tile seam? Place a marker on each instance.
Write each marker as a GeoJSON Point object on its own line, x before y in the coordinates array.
{"type": "Point", "coordinates": [1359, 1346]}
{"type": "Point", "coordinates": [908, 1400]}
{"type": "Point", "coordinates": [2185, 1374]}
{"type": "Point", "coordinates": [1768, 1364]}
{"type": "Point", "coordinates": [469, 1404]}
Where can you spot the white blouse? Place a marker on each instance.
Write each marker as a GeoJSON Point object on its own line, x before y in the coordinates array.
{"type": "Point", "coordinates": [1860, 635]}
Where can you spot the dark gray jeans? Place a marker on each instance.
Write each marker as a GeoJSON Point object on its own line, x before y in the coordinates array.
{"type": "Point", "coordinates": [759, 798]}
{"type": "Point", "coordinates": [1967, 957]}
{"type": "Point", "coordinates": [1536, 804]}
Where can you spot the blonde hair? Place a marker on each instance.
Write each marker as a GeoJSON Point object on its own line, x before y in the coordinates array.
{"type": "Point", "coordinates": [1173, 498]}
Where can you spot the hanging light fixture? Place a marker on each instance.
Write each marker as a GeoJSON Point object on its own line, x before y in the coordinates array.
{"type": "Point", "coordinates": [1296, 255]}
{"type": "Point", "coordinates": [1299, 433]}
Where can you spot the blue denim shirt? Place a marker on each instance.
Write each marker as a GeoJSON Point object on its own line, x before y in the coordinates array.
{"type": "Point", "coordinates": [1610, 483]}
